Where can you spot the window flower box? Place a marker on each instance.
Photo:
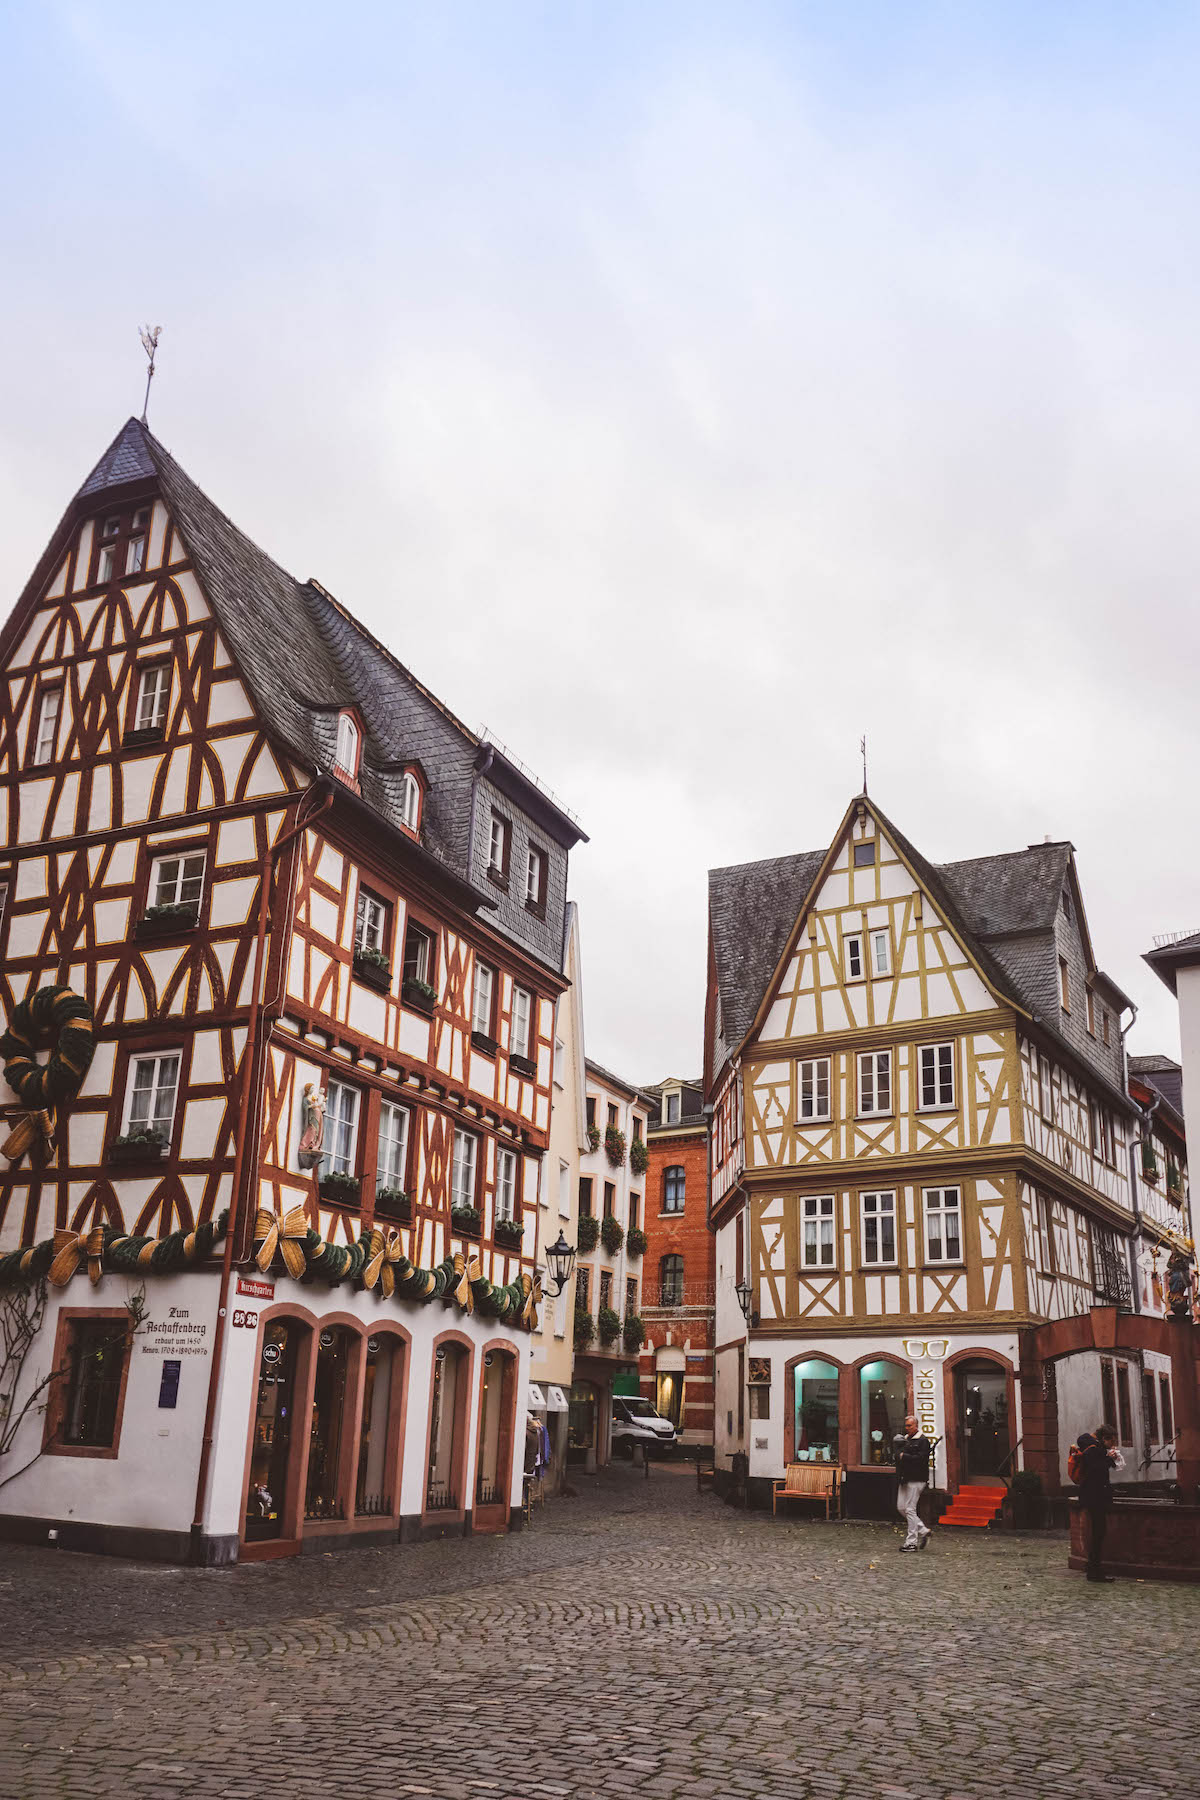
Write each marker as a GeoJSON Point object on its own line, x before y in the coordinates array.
{"type": "Point", "coordinates": [611, 1235]}
{"type": "Point", "coordinates": [172, 916]}
{"type": "Point", "coordinates": [418, 994]}
{"type": "Point", "coordinates": [373, 968]}
{"type": "Point", "coordinates": [509, 1233]}
{"type": "Point", "coordinates": [585, 1328]}
{"type": "Point", "coordinates": [148, 734]}
{"type": "Point", "coordinates": [487, 1046]}
{"type": "Point", "coordinates": [138, 1147]}
{"type": "Point", "coordinates": [593, 1137]}
{"type": "Point", "coordinates": [393, 1204]}
{"type": "Point", "coordinates": [614, 1146]}
{"type": "Point", "coordinates": [589, 1234]}
{"type": "Point", "coordinates": [522, 1065]}
{"type": "Point", "coordinates": [639, 1156]}
{"type": "Point", "coordinates": [1149, 1161]}
{"type": "Point", "coordinates": [1174, 1183]}
{"type": "Point", "coordinates": [466, 1220]}
{"type": "Point", "coordinates": [633, 1333]}
{"type": "Point", "coordinates": [609, 1323]}
{"type": "Point", "coordinates": [341, 1189]}
{"type": "Point", "coordinates": [635, 1242]}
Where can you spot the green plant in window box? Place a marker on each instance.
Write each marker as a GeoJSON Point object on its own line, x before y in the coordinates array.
{"type": "Point", "coordinates": [639, 1156]}
{"type": "Point", "coordinates": [339, 1187]}
{"type": "Point", "coordinates": [419, 993]}
{"type": "Point", "coordinates": [393, 1203]}
{"type": "Point", "coordinates": [585, 1328]}
{"type": "Point", "coordinates": [1149, 1160]}
{"type": "Point", "coordinates": [509, 1233]}
{"type": "Point", "coordinates": [635, 1242]}
{"type": "Point", "coordinates": [611, 1234]}
{"type": "Point", "coordinates": [1174, 1182]}
{"type": "Point", "coordinates": [593, 1137]}
{"type": "Point", "coordinates": [610, 1325]}
{"type": "Point", "coordinates": [633, 1332]}
{"type": "Point", "coordinates": [140, 1146]}
{"type": "Point", "coordinates": [589, 1234]}
{"type": "Point", "coordinates": [466, 1219]}
{"type": "Point", "coordinates": [614, 1146]}
{"type": "Point", "coordinates": [170, 913]}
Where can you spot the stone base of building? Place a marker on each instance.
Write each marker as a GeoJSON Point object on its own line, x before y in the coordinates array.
{"type": "Point", "coordinates": [139, 1543]}
{"type": "Point", "coordinates": [1151, 1540]}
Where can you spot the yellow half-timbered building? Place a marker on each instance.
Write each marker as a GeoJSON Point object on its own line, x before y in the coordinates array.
{"type": "Point", "coordinates": [920, 1146]}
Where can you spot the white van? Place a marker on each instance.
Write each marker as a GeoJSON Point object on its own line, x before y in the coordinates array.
{"type": "Point", "coordinates": [637, 1421]}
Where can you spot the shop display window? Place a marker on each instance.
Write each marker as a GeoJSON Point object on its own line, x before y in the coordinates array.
{"type": "Point", "coordinates": [816, 1411]}
{"type": "Point", "coordinates": [883, 1403]}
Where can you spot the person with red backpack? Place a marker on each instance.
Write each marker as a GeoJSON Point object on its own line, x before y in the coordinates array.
{"type": "Point", "coordinates": [1089, 1465]}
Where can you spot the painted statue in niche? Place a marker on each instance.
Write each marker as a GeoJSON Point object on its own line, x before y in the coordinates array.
{"type": "Point", "coordinates": [312, 1136]}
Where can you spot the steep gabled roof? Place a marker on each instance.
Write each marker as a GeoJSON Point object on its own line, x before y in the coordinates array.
{"type": "Point", "coordinates": [752, 908]}
{"type": "Point", "coordinates": [1164, 1076]}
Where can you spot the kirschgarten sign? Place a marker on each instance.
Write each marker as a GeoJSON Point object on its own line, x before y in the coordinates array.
{"type": "Point", "coordinates": [926, 1356]}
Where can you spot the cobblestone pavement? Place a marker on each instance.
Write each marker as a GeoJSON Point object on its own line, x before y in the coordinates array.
{"type": "Point", "coordinates": [640, 1639]}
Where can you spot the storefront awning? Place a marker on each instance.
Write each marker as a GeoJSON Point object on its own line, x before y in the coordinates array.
{"type": "Point", "coordinates": [556, 1400]}
{"type": "Point", "coordinates": [537, 1400]}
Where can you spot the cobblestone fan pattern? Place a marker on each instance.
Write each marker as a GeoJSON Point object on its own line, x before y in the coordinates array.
{"type": "Point", "coordinates": [641, 1638]}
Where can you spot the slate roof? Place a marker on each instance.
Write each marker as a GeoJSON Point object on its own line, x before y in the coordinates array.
{"type": "Point", "coordinates": [608, 1079]}
{"type": "Point", "coordinates": [1180, 952]}
{"type": "Point", "coordinates": [752, 907]}
{"type": "Point", "coordinates": [1163, 1075]}
{"type": "Point", "coordinates": [306, 657]}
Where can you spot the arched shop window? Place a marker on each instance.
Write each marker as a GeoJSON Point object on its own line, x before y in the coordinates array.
{"type": "Point", "coordinates": [493, 1462]}
{"type": "Point", "coordinates": [322, 1496]}
{"type": "Point", "coordinates": [373, 1495]}
{"type": "Point", "coordinates": [266, 1496]}
{"type": "Point", "coordinates": [816, 1411]}
{"type": "Point", "coordinates": [451, 1402]}
{"type": "Point", "coordinates": [883, 1402]}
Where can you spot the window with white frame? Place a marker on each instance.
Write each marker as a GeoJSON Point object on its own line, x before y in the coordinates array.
{"type": "Point", "coordinates": [943, 1225]}
{"type": "Point", "coordinates": [814, 1088]}
{"type": "Point", "coordinates": [875, 1081]}
{"type": "Point", "coordinates": [462, 1169]}
{"type": "Point", "coordinates": [498, 840]}
{"type": "Point", "coordinates": [418, 955]}
{"type": "Point", "coordinates": [345, 754]}
{"type": "Point", "coordinates": [1045, 1090]}
{"type": "Point", "coordinates": [135, 556]}
{"type": "Point", "coordinates": [46, 741]}
{"type": "Point", "coordinates": [672, 1103]}
{"type": "Point", "coordinates": [391, 1163]}
{"type": "Point", "coordinates": [937, 1077]}
{"type": "Point", "coordinates": [410, 801]}
{"type": "Point", "coordinates": [535, 879]}
{"type": "Point", "coordinates": [481, 1000]}
{"type": "Point", "coordinates": [371, 923]}
{"type": "Point", "coordinates": [881, 953]}
{"type": "Point", "coordinates": [3, 902]}
{"type": "Point", "coordinates": [852, 956]}
{"type": "Point", "coordinates": [564, 1190]}
{"type": "Point", "coordinates": [816, 1245]}
{"type": "Point", "coordinates": [878, 1228]}
{"type": "Point", "coordinates": [341, 1128]}
{"type": "Point", "coordinates": [106, 562]}
{"type": "Point", "coordinates": [154, 685]}
{"type": "Point", "coordinates": [506, 1184]}
{"type": "Point", "coordinates": [560, 1053]}
{"type": "Point", "coordinates": [519, 1036]}
{"type": "Point", "coordinates": [150, 1100]}
{"type": "Point", "coordinates": [178, 880]}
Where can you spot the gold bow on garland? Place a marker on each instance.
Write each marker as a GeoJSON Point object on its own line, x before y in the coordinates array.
{"type": "Point", "coordinates": [533, 1299]}
{"type": "Point", "coordinates": [384, 1251]}
{"type": "Point", "coordinates": [286, 1234]}
{"type": "Point", "coordinates": [459, 1285]}
{"type": "Point", "coordinates": [70, 1249]}
{"type": "Point", "coordinates": [29, 1126]}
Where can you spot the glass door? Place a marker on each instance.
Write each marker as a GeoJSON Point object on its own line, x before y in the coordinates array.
{"type": "Point", "coordinates": [983, 1419]}
{"type": "Point", "coordinates": [266, 1497]}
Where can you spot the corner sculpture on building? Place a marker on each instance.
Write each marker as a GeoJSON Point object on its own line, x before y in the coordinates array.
{"type": "Point", "coordinates": [316, 925]}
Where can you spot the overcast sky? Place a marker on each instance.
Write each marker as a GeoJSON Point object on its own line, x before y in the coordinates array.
{"type": "Point", "coordinates": [681, 391]}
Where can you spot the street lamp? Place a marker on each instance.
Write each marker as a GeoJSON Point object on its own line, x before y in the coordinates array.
{"type": "Point", "coordinates": [742, 1290]}
{"type": "Point", "coordinates": [560, 1260]}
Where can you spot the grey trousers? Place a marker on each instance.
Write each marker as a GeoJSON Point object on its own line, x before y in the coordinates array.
{"type": "Point", "coordinates": [906, 1505]}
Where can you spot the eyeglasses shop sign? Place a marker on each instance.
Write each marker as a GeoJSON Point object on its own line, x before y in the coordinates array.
{"type": "Point", "coordinates": [925, 1355]}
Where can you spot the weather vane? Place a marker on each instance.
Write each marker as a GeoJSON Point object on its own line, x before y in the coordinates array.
{"type": "Point", "coordinates": [149, 335]}
{"type": "Point", "coordinates": [862, 744]}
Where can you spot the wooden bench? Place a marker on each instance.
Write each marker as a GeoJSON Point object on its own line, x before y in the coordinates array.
{"type": "Point", "coordinates": [809, 1481]}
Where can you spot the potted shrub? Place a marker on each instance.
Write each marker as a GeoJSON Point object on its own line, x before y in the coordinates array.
{"type": "Point", "coordinates": [394, 1204]}
{"type": "Point", "coordinates": [635, 1242]}
{"type": "Point", "coordinates": [614, 1146]}
{"type": "Point", "coordinates": [418, 994]}
{"type": "Point", "coordinates": [1174, 1182]}
{"type": "Point", "coordinates": [1027, 1498]}
{"type": "Point", "coordinates": [373, 967]}
{"type": "Point", "coordinates": [585, 1328]}
{"type": "Point", "coordinates": [139, 1146]}
{"type": "Point", "coordinates": [633, 1333]}
{"type": "Point", "coordinates": [639, 1156]}
{"type": "Point", "coordinates": [611, 1234]}
{"type": "Point", "coordinates": [610, 1325]}
{"type": "Point", "coordinates": [589, 1234]}
{"type": "Point", "coordinates": [172, 915]}
{"type": "Point", "coordinates": [509, 1233]}
{"type": "Point", "coordinates": [593, 1137]}
{"type": "Point", "coordinates": [1149, 1160]}
{"type": "Point", "coordinates": [466, 1219]}
{"type": "Point", "coordinates": [343, 1189]}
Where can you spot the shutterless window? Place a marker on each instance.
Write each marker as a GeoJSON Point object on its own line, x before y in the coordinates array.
{"type": "Point", "coordinates": [881, 953]}
{"type": "Point", "coordinates": [671, 1280]}
{"type": "Point", "coordinates": [1150, 1406]}
{"type": "Point", "coordinates": [535, 878]}
{"type": "Point", "coordinates": [1108, 1392]}
{"type": "Point", "coordinates": [1064, 984]}
{"type": "Point", "coordinates": [937, 1075]}
{"type": "Point", "coordinates": [585, 1196]}
{"type": "Point", "coordinates": [391, 1165]}
{"type": "Point", "coordinates": [498, 846]}
{"type": "Point", "coordinates": [106, 562]}
{"type": "Point", "coordinates": [47, 730]}
{"type": "Point", "coordinates": [410, 802]}
{"type": "Point", "coordinates": [1165, 1409]}
{"type": "Point", "coordinates": [341, 1127]}
{"type": "Point", "coordinates": [612, 1118]}
{"type": "Point", "coordinates": [481, 1002]}
{"type": "Point", "coordinates": [673, 1109]}
{"type": "Point", "coordinates": [583, 1289]}
{"type": "Point", "coordinates": [564, 1190]}
{"type": "Point", "coordinates": [610, 1199]}
{"type": "Point", "coordinates": [346, 752]}
{"type": "Point", "coordinates": [852, 951]}
{"type": "Point", "coordinates": [605, 1289]}
{"type": "Point", "coordinates": [875, 1081]}
{"type": "Point", "coordinates": [673, 1188]}
{"type": "Point", "coordinates": [1045, 1090]}
{"type": "Point", "coordinates": [462, 1169]}
{"type": "Point", "coordinates": [371, 922]}
{"type": "Point", "coordinates": [864, 854]}
{"type": "Point", "coordinates": [631, 1291]}
{"type": "Point", "coordinates": [135, 556]}
{"type": "Point", "coordinates": [506, 1184]}
{"type": "Point", "coordinates": [153, 1084]}
{"type": "Point", "coordinates": [878, 1228]}
{"type": "Point", "coordinates": [1091, 1012]}
{"type": "Point", "coordinates": [560, 1052]}
{"type": "Point", "coordinates": [96, 1352]}
{"type": "Point", "coordinates": [814, 1088]}
{"type": "Point", "coordinates": [178, 880]}
{"type": "Point", "coordinates": [816, 1246]}
{"type": "Point", "coordinates": [943, 1225]}
{"type": "Point", "coordinates": [635, 1211]}
{"type": "Point", "coordinates": [418, 954]}
{"type": "Point", "coordinates": [154, 684]}
{"type": "Point", "coordinates": [1124, 1404]}
{"type": "Point", "coordinates": [519, 1038]}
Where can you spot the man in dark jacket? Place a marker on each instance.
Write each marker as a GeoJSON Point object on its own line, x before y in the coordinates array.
{"type": "Point", "coordinates": [1095, 1492]}
{"type": "Point", "coordinates": [911, 1452]}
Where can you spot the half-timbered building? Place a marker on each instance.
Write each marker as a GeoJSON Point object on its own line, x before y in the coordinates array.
{"type": "Point", "coordinates": [319, 925]}
{"type": "Point", "coordinates": [675, 1365]}
{"type": "Point", "coordinates": [920, 1149]}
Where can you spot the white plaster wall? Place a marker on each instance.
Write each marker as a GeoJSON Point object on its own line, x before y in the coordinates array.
{"type": "Point", "coordinates": [1187, 988]}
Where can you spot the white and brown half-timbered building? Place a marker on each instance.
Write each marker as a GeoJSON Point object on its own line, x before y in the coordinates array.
{"type": "Point", "coordinates": [920, 1153]}
{"type": "Point", "coordinates": [318, 923]}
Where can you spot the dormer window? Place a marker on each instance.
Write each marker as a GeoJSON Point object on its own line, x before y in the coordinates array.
{"type": "Point", "coordinates": [345, 756]}
{"type": "Point", "coordinates": [499, 844]}
{"type": "Point", "coordinates": [535, 880]}
{"type": "Point", "coordinates": [410, 801]}
{"type": "Point", "coordinates": [111, 528]}
{"type": "Point", "coordinates": [672, 1100]}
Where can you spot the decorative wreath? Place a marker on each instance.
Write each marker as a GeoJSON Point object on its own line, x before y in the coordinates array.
{"type": "Point", "coordinates": [54, 1015]}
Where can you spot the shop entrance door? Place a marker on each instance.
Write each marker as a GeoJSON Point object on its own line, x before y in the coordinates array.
{"type": "Point", "coordinates": [267, 1497]}
{"type": "Point", "coordinates": [983, 1422]}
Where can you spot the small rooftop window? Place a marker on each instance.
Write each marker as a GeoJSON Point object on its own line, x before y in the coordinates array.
{"type": "Point", "coordinates": [410, 801]}
{"type": "Point", "coordinates": [345, 755]}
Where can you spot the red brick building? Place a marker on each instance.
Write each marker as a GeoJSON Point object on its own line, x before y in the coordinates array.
{"type": "Point", "coordinates": [676, 1363]}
